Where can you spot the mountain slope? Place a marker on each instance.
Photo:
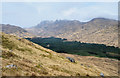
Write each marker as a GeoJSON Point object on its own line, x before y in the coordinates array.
{"type": "Point", "coordinates": [98, 30]}
{"type": "Point", "coordinates": [14, 30]}
{"type": "Point", "coordinates": [73, 47]}
{"type": "Point", "coordinates": [34, 60]}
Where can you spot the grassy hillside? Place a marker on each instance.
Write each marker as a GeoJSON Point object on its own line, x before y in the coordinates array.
{"type": "Point", "coordinates": [31, 59]}
{"type": "Point", "coordinates": [73, 47]}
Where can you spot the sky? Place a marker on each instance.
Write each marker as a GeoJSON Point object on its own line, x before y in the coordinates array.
{"type": "Point", "coordinates": [27, 14]}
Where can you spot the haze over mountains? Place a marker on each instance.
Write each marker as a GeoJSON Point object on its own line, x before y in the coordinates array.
{"type": "Point", "coordinates": [98, 30]}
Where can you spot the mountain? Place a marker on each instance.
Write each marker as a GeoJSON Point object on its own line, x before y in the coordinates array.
{"type": "Point", "coordinates": [97, 30]}
{"type": "Point", "coordinates": [14, 30]}
{"type": "Point", "coordinates": [21, 57]}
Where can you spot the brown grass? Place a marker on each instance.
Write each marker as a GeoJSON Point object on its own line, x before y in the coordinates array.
{"type": "Point", "coordinates": [34, 60]}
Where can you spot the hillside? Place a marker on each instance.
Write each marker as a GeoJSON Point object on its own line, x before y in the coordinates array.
{"type": "Point", "coordinates": [30, 59]}
{"type": "Point", "coordinates": [98, 30]}
{"type": "Point", "coordinates": [14, 30]}
{"type": "Point", "coordinates": [74, 47]}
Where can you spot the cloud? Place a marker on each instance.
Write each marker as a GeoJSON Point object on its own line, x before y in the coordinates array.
{"type": "Point", "coordinates": [86, 13]}
{"type": "Point", "coordinates": [69, 11]}
{"type": "Point", "coordinates": [36, 6]}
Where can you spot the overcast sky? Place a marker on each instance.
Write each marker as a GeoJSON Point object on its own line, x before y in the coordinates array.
{"type": "Point", "coordinates": [27, 14]}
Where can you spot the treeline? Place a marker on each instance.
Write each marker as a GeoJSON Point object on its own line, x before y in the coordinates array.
{"type": "Point", "coordinates": [75, 47]}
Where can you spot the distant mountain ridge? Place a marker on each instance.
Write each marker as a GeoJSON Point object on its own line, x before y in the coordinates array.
{"type": "Point", "coordinates": [97, 30]}
{"type": "Point", "coordinates": [14, 30]}
{"type": "Point", "coordinates": [46, 22]}
{"type": "Point", "coordinates": [8, 29]}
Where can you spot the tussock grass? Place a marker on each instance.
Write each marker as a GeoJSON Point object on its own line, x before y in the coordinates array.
{"type": "Point", "coordinates": [58, 68]}
{"type": "Point", "coordinates": [8, 55]}
{"type": "Point", "coordinates": [6, 43]}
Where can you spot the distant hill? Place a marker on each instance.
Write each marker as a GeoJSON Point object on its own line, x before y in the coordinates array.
{"type": "Point", "coordinates": [14, 30]}
{"type": "Point", "coordinates": [98, 30]}
{"type": "Point", "coordinates": [8, 29]}
{"type": "Point", "coordinates": [21, 57]}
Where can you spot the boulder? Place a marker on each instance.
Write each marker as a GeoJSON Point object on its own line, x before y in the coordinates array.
{"type": "Point", "coordinates": [71, 59]}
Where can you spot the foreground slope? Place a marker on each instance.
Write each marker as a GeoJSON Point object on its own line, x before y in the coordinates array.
{"type": "Point", "coordinates": [31, 59]}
